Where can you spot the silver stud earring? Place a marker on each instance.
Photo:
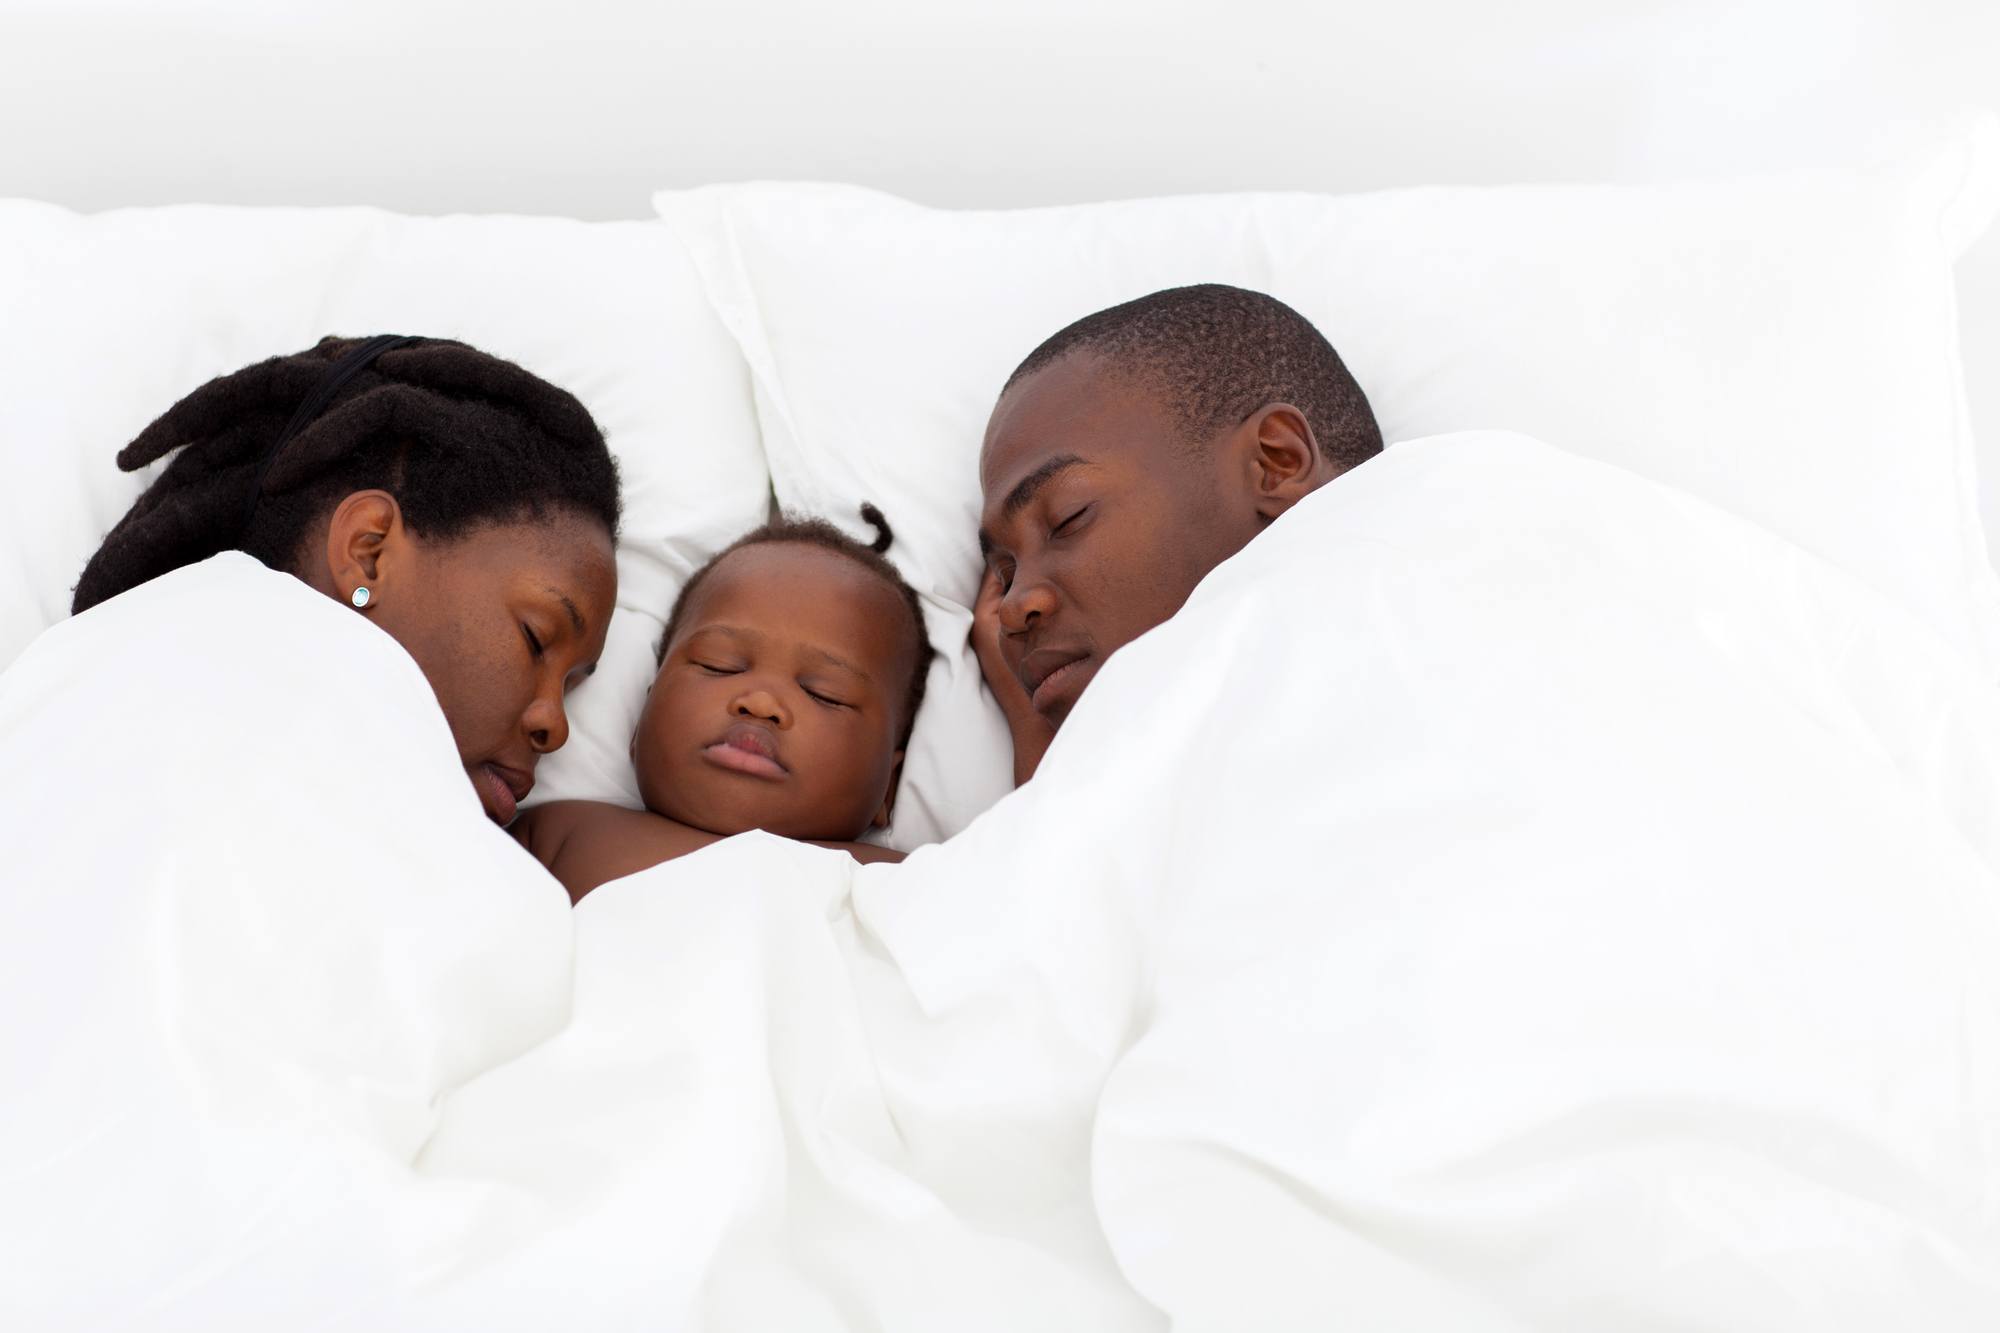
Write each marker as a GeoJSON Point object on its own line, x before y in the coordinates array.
{"type": "Point", "coordinates": [360, 598]}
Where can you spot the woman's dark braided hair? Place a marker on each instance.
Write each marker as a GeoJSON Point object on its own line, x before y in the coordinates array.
{"type": "Point", "coordinates": [803, 531]}
{"type": "Point", "coordinates": [459, 437]}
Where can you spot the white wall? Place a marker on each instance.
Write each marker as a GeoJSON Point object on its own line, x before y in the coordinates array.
{"type": "Point", "coordinates": [585, 107]}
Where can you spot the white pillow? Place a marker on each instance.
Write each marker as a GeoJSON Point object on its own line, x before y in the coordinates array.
{"type": "Point", "coordinates": [1785, 347]}
{"type": "Point", "coordinates": [114, 317]}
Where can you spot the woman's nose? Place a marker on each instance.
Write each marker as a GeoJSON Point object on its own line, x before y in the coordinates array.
{"type": "Point", "coordinates": [547, 724]}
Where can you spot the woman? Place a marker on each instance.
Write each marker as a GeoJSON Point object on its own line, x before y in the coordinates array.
{"type": "Point", "coordinates": [262, 923]}
{"type": "Point", "coordinates": [451, 498]}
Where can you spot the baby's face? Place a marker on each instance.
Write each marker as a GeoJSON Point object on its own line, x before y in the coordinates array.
{"type": "Point", "coordinates": [778, 704]}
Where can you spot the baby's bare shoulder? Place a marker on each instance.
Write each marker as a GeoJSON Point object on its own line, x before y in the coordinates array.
{"type": "Point", "coordinates": [588, 843]}
{"type": "Point", "coordinates": [584, 814]}
{"type": "Point", "coordinates": [543, 828]}
{"type": "Point", "coordinates": [555, 832]}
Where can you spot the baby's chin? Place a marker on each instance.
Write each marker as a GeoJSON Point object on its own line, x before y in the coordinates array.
{"type": "Point", "coordinates": [718, 805]}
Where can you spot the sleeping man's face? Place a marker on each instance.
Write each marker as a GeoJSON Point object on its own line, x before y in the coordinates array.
{"type": "Point", "coordinates": [1100, 518]}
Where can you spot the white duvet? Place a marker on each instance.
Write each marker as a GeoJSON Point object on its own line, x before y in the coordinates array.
{"type": "Point", "coordinates": [1509, 895]}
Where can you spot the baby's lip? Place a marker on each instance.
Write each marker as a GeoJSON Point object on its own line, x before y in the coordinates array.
{"type": "Point", "coordinates": [747, 748]}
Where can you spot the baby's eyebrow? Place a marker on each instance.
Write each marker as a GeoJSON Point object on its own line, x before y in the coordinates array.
{"type": "Point", "coordinates": [813, 651]}
{"type": "Point", "coordinates": [836, 660]}
{"type": "Point", "coordinates": [733, 631]}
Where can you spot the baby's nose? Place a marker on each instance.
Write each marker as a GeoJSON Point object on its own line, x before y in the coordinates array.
{"type": "Point", "coordinates": [762, 705]}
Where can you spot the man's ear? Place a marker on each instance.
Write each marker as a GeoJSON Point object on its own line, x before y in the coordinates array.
{"type": "Point", "coordinates": [1283, 459]}
{"type": "Point", "coordinates": [888, 810]}
{"type": "Point", "coordinates": [365, 543]}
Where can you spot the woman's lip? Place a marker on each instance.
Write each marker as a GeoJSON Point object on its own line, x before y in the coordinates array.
{"type": "Point", "coordinates": [739, 760]}
{"type": "Point", "coordinates": [496, 795]}
{"type": "Point", "coordinates": [1054, 683]}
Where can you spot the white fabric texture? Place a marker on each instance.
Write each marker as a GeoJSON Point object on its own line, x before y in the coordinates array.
{"type": "Point", "coordinates": [112, 318]}
{"type": "Point", "coordinates": [257, 924]}
{"type": "Point", "coordinates": [1785, 347]}
{"type": "Point", "coordinates": [1511, 894]}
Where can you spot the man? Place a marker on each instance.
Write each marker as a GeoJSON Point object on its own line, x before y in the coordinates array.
{"type": "Point", "coordinates": [1129, 455]}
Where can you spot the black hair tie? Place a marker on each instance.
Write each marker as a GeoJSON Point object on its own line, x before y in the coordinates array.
{"type": "Point", "coordinates": [336, 378]}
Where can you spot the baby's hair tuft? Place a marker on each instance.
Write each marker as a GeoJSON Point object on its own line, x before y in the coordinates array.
{"type": "Point", "coordinates": [883, 537]}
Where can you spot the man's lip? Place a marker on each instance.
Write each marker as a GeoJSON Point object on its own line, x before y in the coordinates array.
{"type": "Point", "coordinates": [502, 789]}
{"type": "Point", "coordinates": [1038, 666]}
{"type": "Point", "coordinates": [747, 748]}
{"type": "Point", "coordinates": [1065, 679]}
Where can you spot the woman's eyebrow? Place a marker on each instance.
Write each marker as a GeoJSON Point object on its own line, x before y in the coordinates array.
{"type": "Point", "coordinates": [575, 616]}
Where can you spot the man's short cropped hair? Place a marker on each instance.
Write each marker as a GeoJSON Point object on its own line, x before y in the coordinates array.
{"type": "Point", "coordinates": [1215, 354]}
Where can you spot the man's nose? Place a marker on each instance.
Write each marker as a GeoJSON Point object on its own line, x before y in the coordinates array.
{"type": "Point", "coordinates": [761, 705]}
{"type": "Point", "coordinates": [1029, 598]}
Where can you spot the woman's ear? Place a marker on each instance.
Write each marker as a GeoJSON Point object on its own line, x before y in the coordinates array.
{"type": "Point", "coordinates": [1284, 460]}
{"type": "Point", "coordinates": [364, 541]}
{"type": "Point", "coordinates": [888, 810]}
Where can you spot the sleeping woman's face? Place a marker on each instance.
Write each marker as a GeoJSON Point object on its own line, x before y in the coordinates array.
{"type": "Point", "coordinates": [503, 621]}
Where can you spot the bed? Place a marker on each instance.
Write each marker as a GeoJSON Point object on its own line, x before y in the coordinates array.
{"type": "Point", "coordinates": [1549, 880]}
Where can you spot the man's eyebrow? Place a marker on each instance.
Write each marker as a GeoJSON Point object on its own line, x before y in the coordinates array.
{"type": "Point", "coordinates": [1027, 488]}
{"type": "Point", "coordinates": [575, 616]}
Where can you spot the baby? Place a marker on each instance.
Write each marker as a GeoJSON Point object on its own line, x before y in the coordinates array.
{"type": "Point", "coordinates": [790, 673]}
